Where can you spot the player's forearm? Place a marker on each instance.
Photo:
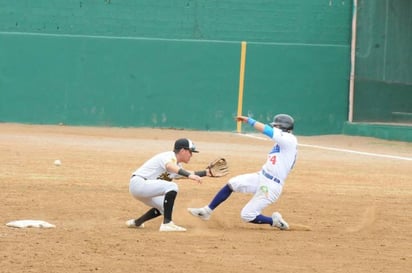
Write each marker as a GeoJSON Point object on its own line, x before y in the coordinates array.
{"type": "Point", "coordinates": [256, 124]}
{"type": "Point", "coordinates": [264, 128]}
{"type": "Point", "coordinates": [190, 175]}
{"type": "Point", "coordinates": [202, 173]}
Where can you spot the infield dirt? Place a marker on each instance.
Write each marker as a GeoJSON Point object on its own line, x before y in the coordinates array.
{"type": "Point", "coordinates": [349, 212]}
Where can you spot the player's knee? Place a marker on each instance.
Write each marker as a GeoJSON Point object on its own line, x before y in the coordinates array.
{"type": "Point", "coordinates": [247, 216]}
{"type": "Point", "coordinates": [231, 182]}
{"type": "Point", "coordinates": [172, 186]}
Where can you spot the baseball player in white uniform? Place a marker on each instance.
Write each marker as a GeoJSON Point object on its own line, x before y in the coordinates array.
{"type": "Point", "coordinates": [152, 184]}
{"type": "Point", "coordinates": [266, 185]}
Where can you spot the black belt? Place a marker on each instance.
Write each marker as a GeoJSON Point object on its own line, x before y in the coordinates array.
{"type": "Point", "coordinates": [271, 177]}
{"type": "Point", "coordinates": [139, 176]}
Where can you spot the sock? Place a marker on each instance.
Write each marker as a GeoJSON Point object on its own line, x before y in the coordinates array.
{"type": "Point", "coordinates": [261, 219]}
{"type": "Point", "coordinates": [220, 197]}
{"type": "Point", "coordinates": [150, 214]}
{"type": "Point", "coordinates": [168, 204]}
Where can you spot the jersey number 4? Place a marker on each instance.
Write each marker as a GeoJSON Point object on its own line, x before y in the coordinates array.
{"type": "Point", "coordinates": [272, 159]}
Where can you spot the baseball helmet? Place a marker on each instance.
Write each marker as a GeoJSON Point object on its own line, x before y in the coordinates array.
{"type": "Point", "coordinates": [284, 121]}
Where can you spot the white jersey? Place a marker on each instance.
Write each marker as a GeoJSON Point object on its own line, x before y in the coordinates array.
{"type": "Point", "coordinates": [267, 184]}
{"type": "Point", "coordinates": [282, 156]}
{"type": "Point", "coordinates": [156, 166]}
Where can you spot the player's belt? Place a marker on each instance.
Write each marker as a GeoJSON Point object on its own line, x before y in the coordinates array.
{"type": "Point", "coordinates": [139, 176]}
{"type": "Point", "coordinates": [271, 177]}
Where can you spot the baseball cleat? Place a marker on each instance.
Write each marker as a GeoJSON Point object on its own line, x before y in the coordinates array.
{"type": "Point", "coordinates": [203, 213]}
{"type": "Point", "coordinates": [171, 227]}
{"type": "Point", "coordinates": [132, 224]}
{"type": "Point", "coordinates": [279, 222]}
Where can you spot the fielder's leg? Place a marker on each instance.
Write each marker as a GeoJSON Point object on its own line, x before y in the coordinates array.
{"type": "Point", "coordinates": [168, 204]}
{"type": "Point", "coordinates": [138, 223]}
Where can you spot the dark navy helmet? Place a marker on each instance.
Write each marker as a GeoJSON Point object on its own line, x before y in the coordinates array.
{"type": "Point", "coordinates": [283, 121]}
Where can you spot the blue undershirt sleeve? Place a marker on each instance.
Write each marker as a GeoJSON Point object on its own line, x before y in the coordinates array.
{"type": "Point", "coordinates": [268, 131]}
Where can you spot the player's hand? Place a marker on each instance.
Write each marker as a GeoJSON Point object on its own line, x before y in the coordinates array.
{"type": "Point", "coordinates": [242, 118]}
{"type": "Point", "coordinates": [196, 178]}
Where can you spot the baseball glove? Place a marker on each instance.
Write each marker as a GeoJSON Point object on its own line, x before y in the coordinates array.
{"type": "Point", "coordinates": [218, 167]}
{"type": "Point", "coordinates": [165, 176]}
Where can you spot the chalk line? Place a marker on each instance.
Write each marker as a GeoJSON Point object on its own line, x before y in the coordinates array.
{"type": "Point", "coordinates": [338, 150]}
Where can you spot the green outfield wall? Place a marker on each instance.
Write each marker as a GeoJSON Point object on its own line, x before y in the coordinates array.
{"type": "Point", "coordinates": [383, 86]}
{"type": "Point", "coordinates": [174, 64]}
{"type": "Point", "coordinates": [383, 77]}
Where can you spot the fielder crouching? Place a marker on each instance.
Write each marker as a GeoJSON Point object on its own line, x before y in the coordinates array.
{"type": "Point", "coordinates": [152, 184]}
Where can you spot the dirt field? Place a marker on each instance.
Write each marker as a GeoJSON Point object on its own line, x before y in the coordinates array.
{"type": "Point", "coordinates": [358, 207]}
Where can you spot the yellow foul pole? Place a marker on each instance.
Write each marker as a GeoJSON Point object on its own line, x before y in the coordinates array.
{"type": "Point", "coordinates": [241, 82]}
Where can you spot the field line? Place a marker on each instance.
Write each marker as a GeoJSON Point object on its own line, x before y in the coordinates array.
{"type": "Point", "coordinates": [339, 150]}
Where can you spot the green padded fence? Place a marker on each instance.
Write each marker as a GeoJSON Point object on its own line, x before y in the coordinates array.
{"type": "Point", "coordinates": [174, 63]}
{"type": "Point", "coordinates": [383, 86]}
